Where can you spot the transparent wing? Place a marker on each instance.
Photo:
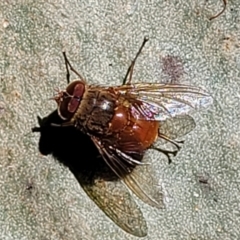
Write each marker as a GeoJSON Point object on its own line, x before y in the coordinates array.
{"type": "Point", "coordinates": [161, 101]}
{"type": "Point", "coordinates": [115, 201]}
{"type": "Point", "coordinates": [135, 174]}
{"type": "Point", "coordinates": [143, 182]}
{"type": "Point", "coordinates": [177, 127]}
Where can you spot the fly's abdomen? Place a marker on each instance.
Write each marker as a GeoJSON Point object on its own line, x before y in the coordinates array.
{"type": "Point", "coordinates": [132, 134]}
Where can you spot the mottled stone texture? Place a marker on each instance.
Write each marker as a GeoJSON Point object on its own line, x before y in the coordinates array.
{"type": "Point", "coordinates": [39, 198]}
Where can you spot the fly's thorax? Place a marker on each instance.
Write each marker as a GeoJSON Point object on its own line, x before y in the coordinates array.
{"type": "Point", "coordinates": [96, 110]}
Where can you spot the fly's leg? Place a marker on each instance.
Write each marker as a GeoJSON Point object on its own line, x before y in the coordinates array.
{"type": "Point", "coordinates": [67, 64]}
{"type": "Point", "coordinates": [40, 123]}
{"type": "Point", "coordinates": [66, 124]}
{"type": "Point", "coordinates": [177, 144]}
{"type": "Point", "coordinates": [129, 73]}
{"type": "Point", "coordinates": [168, 153]}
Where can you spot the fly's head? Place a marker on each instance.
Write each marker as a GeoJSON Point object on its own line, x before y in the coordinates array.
{"type": "Point", "coordinates": [69, 100]}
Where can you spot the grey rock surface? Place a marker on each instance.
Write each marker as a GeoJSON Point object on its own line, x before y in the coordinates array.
{"type": "Point", "coordinates": [39, 198]}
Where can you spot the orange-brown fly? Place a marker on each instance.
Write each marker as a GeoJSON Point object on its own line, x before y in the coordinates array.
{"type": "Point", "coordinates": [123, 122]}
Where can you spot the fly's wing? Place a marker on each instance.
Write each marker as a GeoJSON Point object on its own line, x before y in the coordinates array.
{"type": "Point", "coordinates": [136, 175]}
{"type": "Point", "coordinates": [115, 201]}
{"type": "Point", "coordinates": [161, 101]}
{"type": "Point", "coordinates": [144, 183]}
{"type": "Point", "coordinates": [177, 127]}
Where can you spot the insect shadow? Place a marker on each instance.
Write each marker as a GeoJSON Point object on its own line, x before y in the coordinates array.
{"type": "Point", "coordinates": [69, 146]}
{"type": "Point", "coordinates": [76, 151]}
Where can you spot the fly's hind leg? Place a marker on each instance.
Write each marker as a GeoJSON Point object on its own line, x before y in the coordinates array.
{"type": "Point", "coordinates": [128, 77]}
{"type": "Point", "coordinates": [177, 144]}
{"type": "Point", "coordinates": [168, 153]}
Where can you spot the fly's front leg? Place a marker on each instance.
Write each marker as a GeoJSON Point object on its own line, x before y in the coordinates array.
{"type": "Point", "coordinates": [129, 73]}
{"type": "Point", "coordinates": [68, 64]}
